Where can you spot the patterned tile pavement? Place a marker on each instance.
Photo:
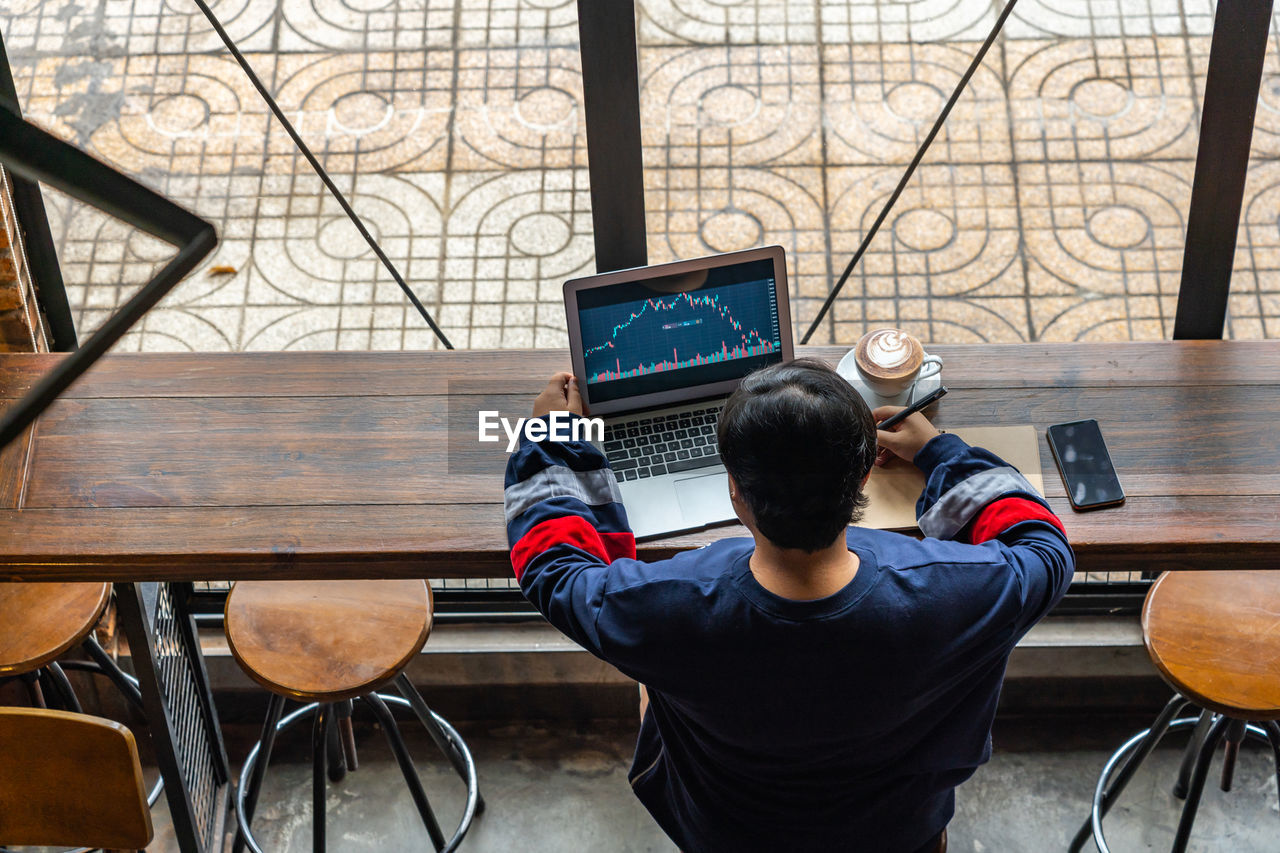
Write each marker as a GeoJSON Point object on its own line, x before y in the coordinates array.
{"type": "Point", "coordinates": [1051, 207]}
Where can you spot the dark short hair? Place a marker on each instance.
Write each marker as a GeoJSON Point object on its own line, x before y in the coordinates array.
{"type": "Point", "coordinates": [798, 440]}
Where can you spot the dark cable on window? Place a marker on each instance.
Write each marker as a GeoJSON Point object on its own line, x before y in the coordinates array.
{"type": "Point", "coordinates": [911, 168]}
{"type": "Point", "coordinates": [324, 176]}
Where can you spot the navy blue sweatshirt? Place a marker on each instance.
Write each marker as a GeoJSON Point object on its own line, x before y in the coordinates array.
{"type": "Point", "coordinates": [844, 723]}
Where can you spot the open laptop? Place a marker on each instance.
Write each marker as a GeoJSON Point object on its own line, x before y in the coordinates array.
{"type": "Point", "coordinates": [657, 350]}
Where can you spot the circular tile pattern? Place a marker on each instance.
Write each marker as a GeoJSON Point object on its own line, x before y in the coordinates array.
{"type": "Point", "coordinates": [545, 107]}
{"type": "Point", "coordinates": [339, 238]}
{"type": "Point", "coordinates": [361, 112]}
{"type": "Point", "coordinates": [547, 4]}
{"type": "Point", "coordinates": [730, 105]}
{"type": "Point", "coordinates": [144, 247]}
{"type": "Point", "coordinates": [179, 114]}
{"type": "Point", "coordinates": [540, 234]}
{"type": "Point", "coordinates": [924, 230]}
{"type": "Point", "coordinates": [1119, 227]}
{"type": "Point", "coordinates": [1101, 98]}
{"type": "Point", "coordinates": [729, 230]}
{"type": "Point", "coordinates": [915, 101]}
{"type": "Point", "coordinates": [367, 5]}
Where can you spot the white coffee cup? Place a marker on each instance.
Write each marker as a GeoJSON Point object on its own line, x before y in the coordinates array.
{"type": "Point", "coordinates": [889, 361]}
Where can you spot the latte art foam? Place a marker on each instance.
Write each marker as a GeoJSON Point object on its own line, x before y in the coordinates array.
{"type": "Point", "coordinates": [889, 354]}
{"type": "Point", "coordinates": [888, 348]}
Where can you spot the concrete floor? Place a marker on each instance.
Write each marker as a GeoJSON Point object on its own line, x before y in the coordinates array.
{"type": "Point", "coordinates": [564, 788]}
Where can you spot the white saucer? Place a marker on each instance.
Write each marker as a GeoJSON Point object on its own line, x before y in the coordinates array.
{"type": "Point", "coordinates": [849, 371]}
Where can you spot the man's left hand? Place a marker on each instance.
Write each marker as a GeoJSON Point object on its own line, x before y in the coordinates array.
{"type": "Point", "coordinates": [560, 395]}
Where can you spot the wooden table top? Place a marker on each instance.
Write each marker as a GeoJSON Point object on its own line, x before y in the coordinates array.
{"type": "Point", "coordinates": [346, 465]}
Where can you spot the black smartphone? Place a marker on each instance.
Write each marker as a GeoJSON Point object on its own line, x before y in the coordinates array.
{"type": "Point", "coordinates": [1085, 465]}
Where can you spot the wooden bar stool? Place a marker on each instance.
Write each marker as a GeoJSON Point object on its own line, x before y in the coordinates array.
{"type": "Point", "coordinates": [327, 643]}
{"type": "Point", "coordinates": [1213, 637]}
{"type": "Point", "coordinates": [70, 778]}
{"type": "Point", "coordinates": [40, 622]}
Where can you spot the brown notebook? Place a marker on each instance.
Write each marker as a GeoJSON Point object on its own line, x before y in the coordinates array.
{"type": "Point", "coordinates": [895, 488]}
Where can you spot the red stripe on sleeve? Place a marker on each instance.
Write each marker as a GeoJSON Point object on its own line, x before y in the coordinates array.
{"type": "Point", "coordinates": [1003, 514]}
{"type": "Point", "coordinates": [570, 530]}
{"type": "Point", "coordinates": [619, 546]}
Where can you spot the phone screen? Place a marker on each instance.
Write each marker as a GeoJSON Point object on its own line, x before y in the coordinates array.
{"type": "Point", "coordinates": [1085, 464]}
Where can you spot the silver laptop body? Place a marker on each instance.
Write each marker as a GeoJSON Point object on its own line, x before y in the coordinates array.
{"type": "Point", "coordinates": [657, 350]}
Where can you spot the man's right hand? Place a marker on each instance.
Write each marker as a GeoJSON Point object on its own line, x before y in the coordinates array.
{"type": "Point", "coordinates": [906, 439]}
{"type": "Point", "coordinates": [560, 395]}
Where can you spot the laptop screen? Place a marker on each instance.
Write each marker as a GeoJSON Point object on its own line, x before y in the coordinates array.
{"type": "Point", "coordinates": [662, 334]}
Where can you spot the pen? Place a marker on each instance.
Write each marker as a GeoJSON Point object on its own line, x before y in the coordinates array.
{"type": "Point", "coordinates": [918, 405]}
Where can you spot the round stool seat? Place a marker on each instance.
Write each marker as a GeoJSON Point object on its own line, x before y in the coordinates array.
{"type": "Point", "coordinates": [41, 621]}
{"type": "Point", "coordinates": [325, 641]}
{"type": "Point", "coordinates": [1215, 637]}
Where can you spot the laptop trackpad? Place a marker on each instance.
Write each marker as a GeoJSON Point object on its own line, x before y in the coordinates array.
{"type": "Point", "coordinates": [704, 499]}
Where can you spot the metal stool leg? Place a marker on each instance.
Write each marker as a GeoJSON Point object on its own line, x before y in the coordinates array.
{"type": "Point", "coordinates": [108, 667]}
{"type": "Point", "coordinates": [275, 707]}
{"type": "Point", "coordinates": [1117, 785]}
{"type": "Point", "coordinates": [1233, 738]}
{"type": "Point", "coordinates": [62, 686]}
{"type": "Point", "coordinates": [465, 768]}
{"type": "Point", "coordinates": [1203, 759]}
{"type": "Point", "coordinates": [250, 768]}
{"type": "Point", "coordinates": [333, 743]}
{"type": "Point", "coordinates": [1189, 754]}
{"type": "Point", "coordinates": [409, 772]}
{"type": "Point", "coordinates": [319, 754]}
{"type": "Point", "coordinates": [31, 681]}
{"type": "Point", "coordinates": [347, 735]}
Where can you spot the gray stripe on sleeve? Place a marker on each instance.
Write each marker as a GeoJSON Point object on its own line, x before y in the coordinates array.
{"type": "Point", "coordinates": [965, 499]}
{"type": "Point", "coordinates": [557, 481]}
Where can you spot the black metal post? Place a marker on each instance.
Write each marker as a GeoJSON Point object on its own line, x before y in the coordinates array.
{"type": "Point", "coordinates": [1236, 55]}
{"type": "Point", "coordinates": [164, 735]}
{"type": "Point", "coordinates": [181, 595]}
{"type": "Point", "coordinates": [611, 91]}
{"type": "Point", "coordinates": [42, 259]}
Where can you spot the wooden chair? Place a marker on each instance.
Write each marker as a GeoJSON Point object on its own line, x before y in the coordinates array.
{"type": "Point", "coordinates": [327, 643]}
{"type": "Point", "coordinates": [70, 780]}
{"type": "Point", "coordinates": [1212, 637]}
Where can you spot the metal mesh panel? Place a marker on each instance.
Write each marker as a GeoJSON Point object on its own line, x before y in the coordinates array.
{"type": "Point", "coordinates": [436, 584]}
{"type": "Point", "coordinates": [1103, 579]}
{"type": "Point", "coordinates": [475, 583]}
{"type": "Point", "coordinates": [191, 727]}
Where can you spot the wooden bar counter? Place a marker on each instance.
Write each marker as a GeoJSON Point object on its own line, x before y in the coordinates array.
{"type": "Point", "coordinates": [357, 465]}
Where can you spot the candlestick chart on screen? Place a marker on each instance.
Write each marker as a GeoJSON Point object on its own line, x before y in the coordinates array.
{"type": "Point", "coordinates": [669, 332]}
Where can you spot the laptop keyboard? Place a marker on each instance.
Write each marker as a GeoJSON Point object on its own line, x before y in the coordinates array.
{"type": "Point", "coordinates": [666, 444]}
